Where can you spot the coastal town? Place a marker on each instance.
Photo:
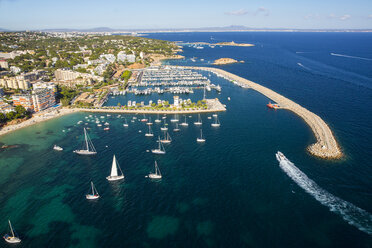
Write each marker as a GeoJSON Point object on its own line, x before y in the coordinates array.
{"type": "Point", "coordinates": [81, 71]}
{"type": "Point", "coordinates": [41, 71]}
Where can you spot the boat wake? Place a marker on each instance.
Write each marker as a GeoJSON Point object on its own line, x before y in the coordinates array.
{"type": "Point", "coordinates": [353, 215]}
{"type": "Point", "coordinates": [307, 68]}
{"type": "Point", "coordinates": [351, 57]}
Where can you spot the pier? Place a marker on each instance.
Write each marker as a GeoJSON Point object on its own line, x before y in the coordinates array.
{"type": "Point", "coordinates": [213, 105]}
{"type": "Point", "coordinates": [326, 145]}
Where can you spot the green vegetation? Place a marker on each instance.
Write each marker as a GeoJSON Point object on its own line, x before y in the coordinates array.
{"type": "Point", "coordinates": [48, 52]}
{"type": "Point", "coordinates": [126, 75]}
{"type": "Point", "coordinates": [66, 94]}
{"type": "Point", "coordinates": [19, 113]}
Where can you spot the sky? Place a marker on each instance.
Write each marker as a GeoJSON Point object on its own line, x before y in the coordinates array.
{"type": "Point", "coordinates": [161, 14]}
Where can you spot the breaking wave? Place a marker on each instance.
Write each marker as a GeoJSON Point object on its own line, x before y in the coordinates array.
{"type": "Point", "coordinates": [353, 215]}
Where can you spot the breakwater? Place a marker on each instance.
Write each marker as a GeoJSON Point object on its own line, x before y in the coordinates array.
{"type": "Point", "coordinates": [326, 145]}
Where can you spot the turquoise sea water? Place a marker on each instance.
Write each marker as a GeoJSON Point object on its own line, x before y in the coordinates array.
{"type": "Point", "coordinates": [228, 192]}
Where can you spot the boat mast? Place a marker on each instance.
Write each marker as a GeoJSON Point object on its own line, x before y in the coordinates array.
{"type": "Point", "coordinates": [11, 228]}
{"type": "Point", "coordinates": [92, 188]}
{"type": "Point", "coordinates": [86, 140]}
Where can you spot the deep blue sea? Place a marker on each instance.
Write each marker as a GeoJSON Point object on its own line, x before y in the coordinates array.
{"type": "Point", "coordinates": [230, 191]}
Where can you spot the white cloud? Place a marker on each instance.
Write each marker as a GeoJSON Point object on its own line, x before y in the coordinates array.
{"type": "Point", "coordinates": [262, 10]}
{"type": "Point", "coordinates": [342, 18]}
{"type": "Point", "coordinates": [239, 12]}
{"type": "Point", "coordinates": [370, 16]}
{"type": "Point", "coordinates": [345, 17]}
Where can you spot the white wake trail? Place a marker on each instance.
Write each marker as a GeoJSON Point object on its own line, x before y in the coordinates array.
{"type": "Point", "coordinates": [351, 57]}
{"type": "Point", "coordinates": [305, 67]}
{"type": "Point", "coordinates": [353, 215]}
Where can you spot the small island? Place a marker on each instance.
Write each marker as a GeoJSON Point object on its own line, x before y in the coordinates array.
{"type": "Point", "coordinates": [232, 43]}
{"type": "Point", "coordinates": [224, 61]}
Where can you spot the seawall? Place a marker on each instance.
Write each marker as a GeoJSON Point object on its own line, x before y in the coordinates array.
{"type": "Point", "coordinates": [326, 145]}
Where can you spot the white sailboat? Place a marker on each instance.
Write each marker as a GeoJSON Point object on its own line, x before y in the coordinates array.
{"type": "Point", "coordinates": [150, 133]}
{"type": "Point", "coordinates": [199, 121]}
{"type": "Point", "coordinates": [12, 238]}
{"type": "Point", "coordinates": [149, 122]}
{"type": "Point", "coordinates": [94, 195]}
{"type": "Point", "coordinates": [157, 174]}
{"type": "Point", "coordinates": [160, 150]}
{"type": "Point", "coordinates": [164, 128]}
{"type": "Point", "coordinates": [125, 122]}
{"type": "Point", "coordinates": [184, 124]}
{"type": "Point", "coordinates": [57, 148]}
{"type": "Point", "coordinates": [167, 139]}
{"type": "Point", "coordinates": [175, 119]}
{"type": "Point", "coordinates": [88, 145]}
{"type": "Point", "coordinates": [176, 129]}
{"type": "Point", "coordinates": [114, 171]}
{"type": "Point", "coordinates": [201, 138]}
{"type": "Point", "coordinates": [157, 120]}
{"type": "Point", "coordinates": [216, 122]}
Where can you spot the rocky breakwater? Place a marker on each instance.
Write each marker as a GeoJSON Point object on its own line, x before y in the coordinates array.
{"type": "Point", "coordinates": [326, 145]}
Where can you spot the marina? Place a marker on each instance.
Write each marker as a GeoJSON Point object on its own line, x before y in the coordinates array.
{"type": "Point", "coordinates": [239, 160]}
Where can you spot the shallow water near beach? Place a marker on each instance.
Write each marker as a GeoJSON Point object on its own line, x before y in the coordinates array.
{"type": "Point", "coordinates": [228, 192]}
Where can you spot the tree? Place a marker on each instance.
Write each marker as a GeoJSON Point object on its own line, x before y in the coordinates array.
{"type": "Point", "coordinates": [10, 115]}
{"type": "Point", "coordinates": [126, 75]}
{"type": "Point", "coordinates": [2, 118]}
{"type": "Point", "coordinates": [65, 101]}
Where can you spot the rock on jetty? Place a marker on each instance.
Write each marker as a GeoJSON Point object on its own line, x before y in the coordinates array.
{"type": "Point", "coordinates": [326, 145]}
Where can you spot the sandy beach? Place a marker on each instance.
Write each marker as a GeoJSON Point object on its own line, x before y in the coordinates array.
{"type": "Point", "coordinates": [213, 106]}
{"type": "Point", "coordinates": [37, 118]}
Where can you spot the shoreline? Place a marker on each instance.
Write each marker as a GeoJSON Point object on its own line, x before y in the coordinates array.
{"type": "Point", "coordinates": [38, 118]}
{"type": "Point", "coordinates": [326, 146]}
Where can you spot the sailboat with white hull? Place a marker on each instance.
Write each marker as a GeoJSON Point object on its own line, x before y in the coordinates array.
{"type": "Point", "coordinates": [150, 133]}
{"type": "Point", "coordinates": [114, 171]}
{"type": "Point", "coordinates": [176, 129]}
{"type": "Point", "coordinates": [12, 238]}
{"type": "Point", "coordinates": [199, 122]}
{"type": "Point", "coordinates": [88, 147]}
{"type": "Point", "coordinates": [175, 119]}
{"type": "Point", "coordinates": [157, 120]}
{"type": "Point", "coordinates": [201, 138]}
{"type": "Point", "coordinates": [216, 122]}
{"type": "Point", "coordinates": [167, 139]}
{"type": "Point", "coordinates": [149, 122]}
{"type": "Point", "coordinates": [160, 150]}
{"type": "Point", "coordinates": [185, 124]}
{"type": "Point", "coordinates": [164, 128]}
{"type": "Point", "coordinates": [125, 122]}
{"type": "Point", "coordinates": [157, 174]}
{"type": "Point", "coordinates": [94, 194]}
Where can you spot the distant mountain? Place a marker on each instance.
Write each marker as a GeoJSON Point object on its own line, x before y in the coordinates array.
{"type": "Point", "coordinates": [230, 28]}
